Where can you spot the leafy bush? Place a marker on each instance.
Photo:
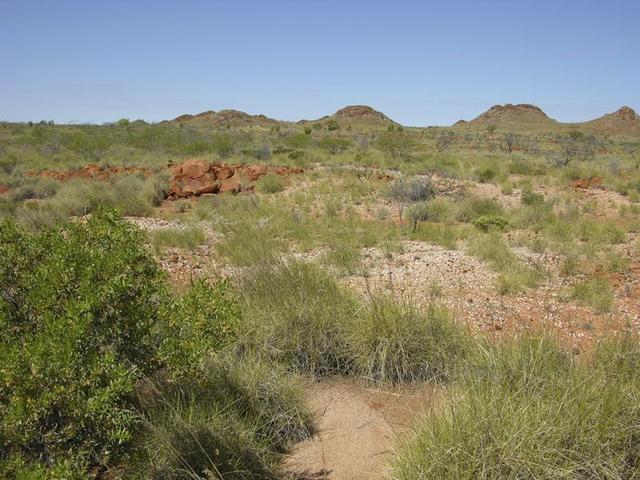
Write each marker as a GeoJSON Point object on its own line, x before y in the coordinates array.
{"type": "Point", "coordinates": [198, 324]}
{"type": "Point", "coordinates": [77, 307]}
{"type": "Point", "coordinates": [488, 222]}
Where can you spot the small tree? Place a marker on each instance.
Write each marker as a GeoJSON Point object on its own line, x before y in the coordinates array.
{"type": "Point", "coordinates": [509, 142]}
{"type": "Point", "coordinates": [444, 141]}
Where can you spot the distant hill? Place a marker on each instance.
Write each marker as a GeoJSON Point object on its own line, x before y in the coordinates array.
{"type": "Point", "coordinates": [361, 113]}
{"type": "Point", "coordinates": [623, 121]}
{"type": "Point", "coordinates": [232, 118]}
{"type": "Point", "coordinates": [512, 115]}
{"type": "Point", "coordinates": [356, 115]}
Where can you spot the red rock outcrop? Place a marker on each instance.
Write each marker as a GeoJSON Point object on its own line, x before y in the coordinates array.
{"type": "Point", "coordinates": [197, 177]}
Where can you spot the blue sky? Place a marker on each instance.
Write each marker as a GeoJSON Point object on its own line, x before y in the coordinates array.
{"type": "Point", "coordinates": [420, 62]}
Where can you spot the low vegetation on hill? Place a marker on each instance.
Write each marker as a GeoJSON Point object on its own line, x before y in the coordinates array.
{"type": "Point", "coordinates": [168, 291]}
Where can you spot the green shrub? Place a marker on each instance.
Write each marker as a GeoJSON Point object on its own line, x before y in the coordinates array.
{"type": "Point", "coordinates": [532, 198]}
{"type": "Point", "coordinates": [391, 341]}
{"type": "Point", "coordinates": [77, 307]}
{"type": "Point", "coordinates": [270, 183]}
{"type": "Point", "coordinates": [197, 325]}
{"type": "Point", "coordinates": [489, 222]}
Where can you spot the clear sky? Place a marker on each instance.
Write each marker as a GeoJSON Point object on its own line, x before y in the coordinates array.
{"type": "Point", "coordinates": [420, 62]}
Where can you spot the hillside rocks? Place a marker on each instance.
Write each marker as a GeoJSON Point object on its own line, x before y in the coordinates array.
{"type": "Point", "coordinates": [198, 177]}
{"type": "Point", "coordinates": [509, 113]}
{"type": "Point", "coordinates": [624, 121]}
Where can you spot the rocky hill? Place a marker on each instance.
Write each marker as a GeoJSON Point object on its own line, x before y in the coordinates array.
{"type": "Point", "coordinates": [223, 118]}
{"type": "Point", "coordinates": [512, 114]}
{"type": "Point", "coordinates": [623, 121]}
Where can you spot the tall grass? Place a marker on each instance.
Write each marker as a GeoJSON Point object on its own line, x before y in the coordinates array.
{"type": "Point", "coordinates": [393, 341]}
{"type": "Point", "coordinates": [233, 423]}
{"type": "Point", "coordinates": [295, 314]}
{"type": "Point", "coordinates": [526, 410]}
{"type": "Point", "coordinates": [298, 315]}
{"type": "Point", "coordinates": [513, 274]}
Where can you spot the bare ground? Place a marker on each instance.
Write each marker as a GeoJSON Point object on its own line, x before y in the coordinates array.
{"type": "Point", "coordinates": [357, 427]}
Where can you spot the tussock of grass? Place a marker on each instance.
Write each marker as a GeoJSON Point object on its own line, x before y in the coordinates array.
{"type": "Point", "coordinates": [514, 275]}
{"type": "Point", "coordinates": [233, 423]}
{"type": "Point", "coordinates": [392, 341]}
{"type": "Point", "coordinates": [527, 411]}
{"type": "Point", "coordinates": [596, 293]}
{"type": "Point", "coordinates": [299, 316]}
{"type": "Point", "coordinates": [295, 313]}
{"type": "Point", "coordinates": [270, 183]}
{"type": "Point", "coordinates": [188, 238]}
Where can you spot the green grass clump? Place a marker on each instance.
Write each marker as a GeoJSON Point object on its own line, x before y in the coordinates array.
{"type": "Point", "coordinates": [295, 313]}
{"type": "Point", "coordinates": [188, 238]}
{"type": "Point", "coordinates": [514, 275]}
{"type": "Point", "coordinates": [393, 341]}
{"type": "Point", "coordinates": [528, 411]}
{"type": "Point", "coordinates": [345, 258]}
{"type": "Point", "coordinates": [234, 422]}
{"type": "Point", "coordinates": [127, 194]}
{"type": "Point", "coordinates": [596, 293]}
{"type": "Point", "coordinates": [270, 183]}
{"type": "Point", "coordinates": [474, 207]}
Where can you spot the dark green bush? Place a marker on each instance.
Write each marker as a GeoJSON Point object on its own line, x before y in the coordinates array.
{"type": "Point", "coordinates": [532, 198]}
{"type": "Point", "coordinates": [488, 222]}
{"type": "Point", "coordinates": [77, 308]}
{"type": "Point", "coordinates": [198, 324]}
{"type": "Point", "coordinates": [334, 145]}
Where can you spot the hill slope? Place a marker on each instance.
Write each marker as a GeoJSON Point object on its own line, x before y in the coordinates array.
{"type": "Point", "coordinates": [623, 121]}
{"type": "Point", "coordinates": [512, 115]}
{"type": "Point", "coordinates": [223, 118]}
